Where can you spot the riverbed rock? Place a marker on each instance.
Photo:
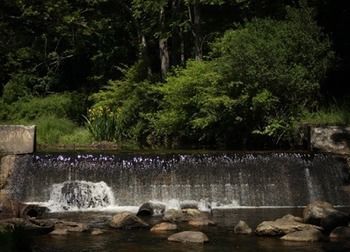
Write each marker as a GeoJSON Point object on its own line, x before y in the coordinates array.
{"type": "Point", "coordinates": [10, 208]}
{"type": "Point", "coordinates": [308, 235]}
{"type": "Point", "coordinates": [242, 228]}
{"type": "Point", "coordinates": [30, 226]}
{"type": "Point", "coordinates": [340, 233]}
{"type": "Point", "coordinates": [174, 215]}
{"type": "Point", "coordinates": [323, 214]}
{"type": "Point", "coordinates": [127, 220]}
{"type": "Point", "coordinates": [97, 231]}
{"type": "Point", "coordinates": [150, 209]}
{"type": "Point", "coordinates": [282, 226]}
{"type": "Point", "coordinates": [192, 212]}
{"type": "Point", "coordinates": [32, 211]}
{"type": "Point", "coordinates": [189, 236]}
{"type": "Point", "coordinates": [164, 226]}
{"type": "Point", "coordinates": [71, 226]}
{"type": "Point", "coordinates": [198, 222]}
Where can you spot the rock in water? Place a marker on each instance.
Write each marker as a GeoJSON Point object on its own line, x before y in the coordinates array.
{"type": "Point", "coordinates": [189, 236]}
{"type": "Point", "coordinates": [150, 208]}
{"type": "Point", "coordinates": [27, 225]}
{"type": "Point", "coordinates": [173, 215]}
{"type": "Point", "coordinates": [164, 226]}
{"type": "Point", "coordinates": [242, 228]}
{"type": "Point", "coordinates": [323, 214]}
{"type": "Point", "coordinates": [308, 235]}
{"type": "Point", "coordinates": [340, 233]}
{"type": "Point", "coordinates": [282, 226]}
{"type": "Point", "coordinates": [127, 220]}
{"type": "Point", "coordinates": [198, 222]}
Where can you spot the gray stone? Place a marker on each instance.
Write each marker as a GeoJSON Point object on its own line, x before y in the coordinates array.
{"type": "Point", "coordinates": [323, 214]}
{"type": "Point", "coordinates": [198, 222]}
{"type": "Point", "coordinates": [150, 208]}
{"type": "Point", "coordinates": [164, 226]}
{"type": "Point", "coordinates": [282, 226]}
{"type": "Point", "coordinates": [242, 228]}
{"type": "Point", "coordinates": [189, 236]}
{"type": "Point", "coordinates": [71, 226]}
{"type": "Point", "coordinates": [59, 232]}
{"type": "Point", "coordinates": [17, 139]}
{"type": "Point", "coordinates": [97, 231]}
{"type": "Point", "coordinates": [333, 139]}
{"type": "Point", "coordinates": [127, 220]}
{"type": "Point", "coordinates": [7, 166]}
{"type": "Point", "coordinates": [27, 225]}
{"type": "Point", "coordinates": [174, 215]}
{"type": "Point", "coordinates": [340, 233]}
{"type": "Point", "coordinates": [308, 235]}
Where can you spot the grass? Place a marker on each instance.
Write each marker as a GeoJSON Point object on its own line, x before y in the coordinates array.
{"type": "Point", "coordinates": [332, 115]}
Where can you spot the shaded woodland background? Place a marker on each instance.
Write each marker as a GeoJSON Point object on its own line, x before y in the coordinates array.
{"type": "Point", "coordinates": [177, 73]}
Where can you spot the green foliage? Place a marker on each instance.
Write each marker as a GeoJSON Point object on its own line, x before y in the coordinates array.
{"type": "Point", "coordinates": [192, 102]}
{"type": "Point", "coordinates": [16, 88]}
{"type": "Point", "coordinates": [279, 65]}
{"type": "Point", "coordinates": [64, 105]}
{"type": "Point", "coordinates": [334, 114]}
{"type": "Point", "coordinates": [262, 76]}
{"type": "Point", "coordinates": [51, 128]}
{"type": "Point", "coordinates": [118, 112]}
{"type": "Point", "coordinates": [78, 136]}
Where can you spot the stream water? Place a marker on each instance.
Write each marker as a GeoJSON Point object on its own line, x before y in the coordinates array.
{"type": "Point", "coordinates": [253, 187]}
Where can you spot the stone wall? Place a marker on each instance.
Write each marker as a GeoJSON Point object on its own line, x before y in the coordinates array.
{"type": "Point", "coordinates": [17, 139]}
{"type": "Point", "coordinates": [335, 139]}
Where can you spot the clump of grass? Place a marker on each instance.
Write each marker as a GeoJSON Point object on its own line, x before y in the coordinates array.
{"type": "Point", "coordinates": [51, 128]}
{"type": "Point", "coordinates": [330, 115]}
{"type": "Point", "coordinates": [78, 136]}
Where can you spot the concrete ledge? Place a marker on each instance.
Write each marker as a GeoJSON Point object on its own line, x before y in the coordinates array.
{"type": "Point", "coordinates": [335, 139]}
{"type": "Point", "coordinates": [17, 139]}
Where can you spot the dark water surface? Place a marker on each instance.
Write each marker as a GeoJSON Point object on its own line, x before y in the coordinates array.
{"type": "Point", "coordinates": [222, 237]}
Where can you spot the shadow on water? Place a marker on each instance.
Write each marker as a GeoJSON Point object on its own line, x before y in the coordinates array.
{"type": "Point", "coordinates": [222, 237]}
{"type": "Point", "coordinates": [145, 241]}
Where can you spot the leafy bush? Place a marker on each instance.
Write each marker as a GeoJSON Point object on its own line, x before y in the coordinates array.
{"type": "Point", "coordinates": [65, 105]}
{"type": "Point", "coordinates": [260, 79]}
{"type": "Point", "coordinates": [119, 109]}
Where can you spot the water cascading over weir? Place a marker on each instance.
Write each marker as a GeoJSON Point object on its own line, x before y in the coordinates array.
{"type": "Point", "coordinates": [231, 179]}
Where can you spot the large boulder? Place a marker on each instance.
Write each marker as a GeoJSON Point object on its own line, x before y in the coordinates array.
{"type": "Point", "coordinates": [150, 208]}
{"type": "Point", "coordinates": [164, 226]}
{"type": "Point", "coordinates": [323, 214]}
{"type": "Point", "coordinates": [282, 226]}
{"type": "Point", "coordinates": [14, 209]}
{"type": "Point", "coordinates": [70, 226]}
{"type": "Point", "coordinates": [189, 236]}
{"type": "Point", "coordinates": [340, 233]}
{"type": "Point", "coordinates": [174, 215]}
{"type": "Point", "coordinates": [242, 228]}
{"type": "Point", "coordinates": [30, 226]}
{"type": "Point", "coordinates": [308, 235]}
{"type": "Point", "coordinates": [127, 220]}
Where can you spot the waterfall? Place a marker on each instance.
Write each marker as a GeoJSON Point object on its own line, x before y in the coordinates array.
{"type": "Point", "coordinates": [217, 179]}
{"type": "Point", "coordinates": [80, 195]}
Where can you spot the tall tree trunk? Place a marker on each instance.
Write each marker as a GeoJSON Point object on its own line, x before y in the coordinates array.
{"type": "Point", "coordinates": [143, 53]}
{"type": "Point", "coordinates": [195, 20]}
{"type": "Point", "coordinates": [182, 48]}
{"type": "Point", "coordinates": [163, 47]}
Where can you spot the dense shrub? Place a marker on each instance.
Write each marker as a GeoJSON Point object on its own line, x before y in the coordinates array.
{"type": "Point", "coordinates": [28, 108]}
{"type": "Point", "coordinates": [260, 79]}
{"type": "Point", "coordinates": [119, 109]}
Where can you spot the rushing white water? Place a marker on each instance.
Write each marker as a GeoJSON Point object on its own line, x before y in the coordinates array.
{"type": "Point", "coordinates": [80, 195]}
